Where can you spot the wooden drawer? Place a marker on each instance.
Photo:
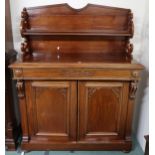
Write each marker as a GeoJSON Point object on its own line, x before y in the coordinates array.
{"type": "Point", "coordinates": [72, 74]}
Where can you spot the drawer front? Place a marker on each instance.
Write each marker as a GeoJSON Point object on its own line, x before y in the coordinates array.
{"type": "Point", "coordinates": [72, 74]}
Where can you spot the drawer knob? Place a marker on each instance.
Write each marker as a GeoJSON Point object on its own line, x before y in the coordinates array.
{"type": "Point", "coordinates": [18, 72]}
{"type": "Point", "coordinates": [135, 74]}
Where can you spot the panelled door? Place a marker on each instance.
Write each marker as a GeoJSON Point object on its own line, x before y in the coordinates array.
{"type": "Point", "coordinates": [102, 110]}
{"type": "Point", "coordinates": [52, 110]}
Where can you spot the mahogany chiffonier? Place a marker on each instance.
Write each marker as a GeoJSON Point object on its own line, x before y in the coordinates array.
{"type": "Point", "coordinates": [76, 78]}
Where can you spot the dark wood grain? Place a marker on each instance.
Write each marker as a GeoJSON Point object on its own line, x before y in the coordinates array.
{"type": "Point", "coordinates": [39, 24]}
{"type": "Point", "coordinates": [78, 44]}
{"type": "Point", "coordinates": [102, 107]}
{"type": "Point", "coordinates": [51, 111]}
{"type": "Point", "coordinates": [92, 18]}
{"type": "Point", "coordinates": [77, 80]}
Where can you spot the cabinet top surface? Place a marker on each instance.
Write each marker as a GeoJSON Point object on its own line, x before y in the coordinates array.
{"type": "Point", "coordinates": [75, 60]}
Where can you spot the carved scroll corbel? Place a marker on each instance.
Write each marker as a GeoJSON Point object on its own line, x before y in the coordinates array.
{"type": "Point", "coordinates": [133, 89]}
{"type": "Point", "coordinates": [134, 84]}
{"type": "Point", "coordinates": [130, 24]}
{"type": "Point", "coordinates": [129, 49]}
{"type": "Point", "coordinates": [25, 48]}
{"type": "Point", "coordinates": [20, 88]}
{"type": "Point", "coordinates": [24, 21]}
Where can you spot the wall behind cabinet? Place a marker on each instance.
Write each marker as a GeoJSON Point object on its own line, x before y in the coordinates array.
{"type": "Point", "coordinates": [140, 40]}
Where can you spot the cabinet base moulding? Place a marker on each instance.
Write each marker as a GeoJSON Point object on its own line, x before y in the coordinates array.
{"type": "Point", "coordinates": [10, 144]}
{"type": "Point", "coordinates": [119, 146]}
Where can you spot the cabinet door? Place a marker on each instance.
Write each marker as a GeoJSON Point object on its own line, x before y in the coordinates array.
{"type": "Point", "coordinates": [102, 110]}
{"type": "Point", "coordinates": [51, 108]}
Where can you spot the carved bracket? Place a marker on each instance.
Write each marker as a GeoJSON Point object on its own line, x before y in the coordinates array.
{"type": "Point", "coordinates": [20, 88]}
{"type": "Point", "coordinates": [129, 49]}
{"type": "Point", "coordinates": [130, 24]}
{"type": "Point", "coordinates": [25, 47]}
{"type": "Point", "coordinates": [133, 89]}
{"type": "Point", "coordinates": [24, 21]}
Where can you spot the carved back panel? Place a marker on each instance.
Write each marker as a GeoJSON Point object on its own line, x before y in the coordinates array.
{"type": "Point", "coordinates": [91, 29]}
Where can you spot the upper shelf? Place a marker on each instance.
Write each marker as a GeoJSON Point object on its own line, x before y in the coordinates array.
{"type": "Point", "coordinates": [92, 20]}
{"type": "Point", "coordinates": [48, 33]}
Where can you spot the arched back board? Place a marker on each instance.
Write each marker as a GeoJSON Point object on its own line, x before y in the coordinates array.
{"type": "Point", "coordinates": [94, 28]}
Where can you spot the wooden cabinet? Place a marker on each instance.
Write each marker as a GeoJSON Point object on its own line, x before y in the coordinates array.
{"type": "Point", "coordinates": [76, 79]}
{"type": "Point", "coordinates": [76, 111]}
{"type": "Point", "coordinates": [76, 114]}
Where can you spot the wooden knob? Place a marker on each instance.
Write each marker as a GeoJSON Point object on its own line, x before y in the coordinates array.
{"type": "Point", "coordinates": [18, 72]}
{"type": "Point", "coordinates": [135, 74]}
